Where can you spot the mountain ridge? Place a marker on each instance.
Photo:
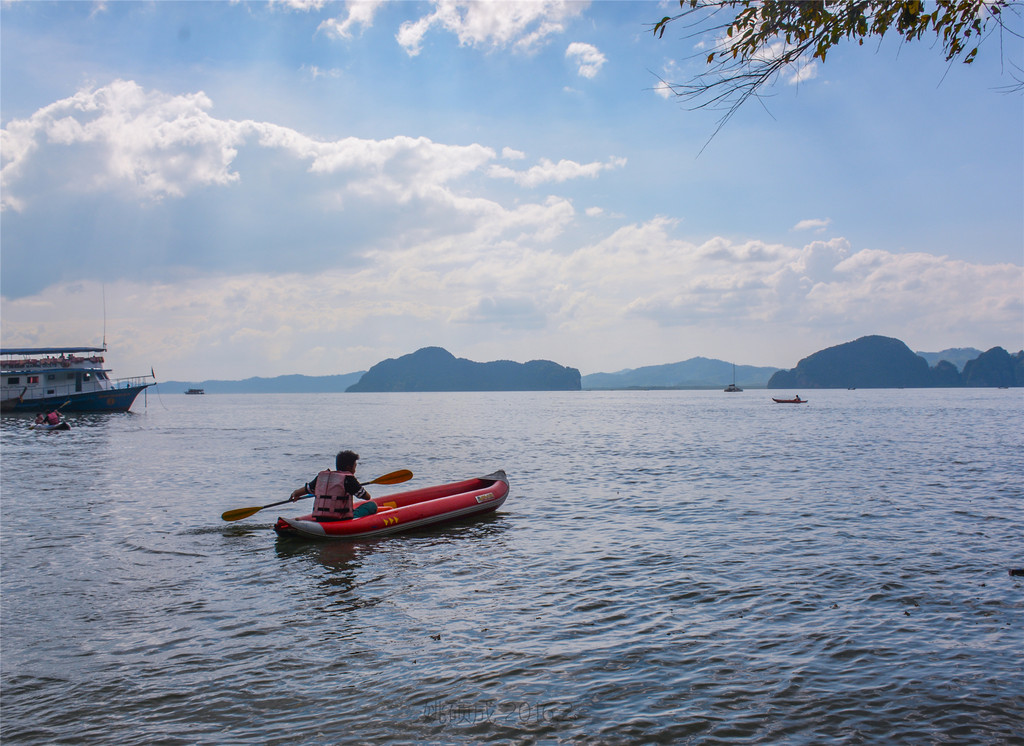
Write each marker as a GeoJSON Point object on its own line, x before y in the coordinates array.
{"type": "Point", "coordinates": [951, 367]}
{"type": "Point", "coordinates": [436, 369]}
{"type": "Point", "coordinates": [885, 362]}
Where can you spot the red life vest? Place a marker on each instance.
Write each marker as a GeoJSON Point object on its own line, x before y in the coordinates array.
{"type": "Point", "coordinates": [53, 418]}
{"type": "Point", "coordinates": [331, 501]}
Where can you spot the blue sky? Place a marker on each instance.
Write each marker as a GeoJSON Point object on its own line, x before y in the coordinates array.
{"type": "Point", "coordinates": [312, 187]}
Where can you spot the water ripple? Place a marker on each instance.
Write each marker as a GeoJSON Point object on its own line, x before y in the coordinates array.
{"type": "Point", "coordinates": [672, 567]}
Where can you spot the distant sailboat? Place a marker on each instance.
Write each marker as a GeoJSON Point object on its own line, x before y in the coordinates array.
{"type": "Point", "coordinates": [732, 387]}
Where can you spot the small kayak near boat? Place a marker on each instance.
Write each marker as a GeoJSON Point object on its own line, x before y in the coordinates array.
{"type": "Point", "coordinates": [58, 426]}
{"type": "Point", "coordinates": [795, 400]}
{"type": "Point", "coordinates": [404, 511]}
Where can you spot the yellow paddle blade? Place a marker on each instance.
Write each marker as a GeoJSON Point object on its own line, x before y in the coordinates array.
{"type": "Point", "coordinates": [395, 477]}
{"type": "Point", "coordinates": [239, 513]}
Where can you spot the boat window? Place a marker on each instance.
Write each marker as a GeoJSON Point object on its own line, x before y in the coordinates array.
{"type": "Point", "coordinates": [49, 391]}
{"type": "Point", "coordinates": [101, 375]}
{"type": "Point", "coordinates": [87, 376]}
{"type": "Point", "coordinates": [13, 380]}
{"type": "Point", "coordinates": [33, 379]}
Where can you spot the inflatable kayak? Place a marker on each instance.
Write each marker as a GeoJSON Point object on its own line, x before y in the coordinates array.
{"type": "Point", "coordinates": [48, 428]}
{"type": "Point", "coordinates": [404, 511]}
{"type": "Point", "coordinates": [795, 400]}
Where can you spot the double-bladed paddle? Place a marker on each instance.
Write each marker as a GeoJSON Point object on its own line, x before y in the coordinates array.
{"type": "Point", "coordinates": [395, 477]}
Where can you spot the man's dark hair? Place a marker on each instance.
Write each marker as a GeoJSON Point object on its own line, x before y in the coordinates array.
{"type": "Point", "coordinates": [346, 461]}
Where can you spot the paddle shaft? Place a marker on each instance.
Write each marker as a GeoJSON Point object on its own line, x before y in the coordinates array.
{"type": "Point", "coordinates": [395, 477]}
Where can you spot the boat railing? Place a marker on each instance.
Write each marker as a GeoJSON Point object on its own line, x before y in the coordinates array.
{"type": "Point", "coordinates": [51, 362]}
{"type": "Point", "coordinates": [130, 383]}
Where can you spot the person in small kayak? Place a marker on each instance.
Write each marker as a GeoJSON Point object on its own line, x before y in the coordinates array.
{"type": "Point", "coordinates": [334, 491]}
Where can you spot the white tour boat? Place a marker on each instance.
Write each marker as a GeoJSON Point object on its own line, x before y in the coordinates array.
{"type": "Point", "coordinates": [72, 379]}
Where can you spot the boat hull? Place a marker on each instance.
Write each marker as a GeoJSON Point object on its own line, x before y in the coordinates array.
{"type": "Point", "coordinates": [51, 428]}
{"type": "Point", "coordinates": [111, 400]}
{"type": "Point", "coordinates": [408, 510]}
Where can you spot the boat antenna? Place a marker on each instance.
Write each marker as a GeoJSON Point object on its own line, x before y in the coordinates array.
{"type": "Point", "coordinates": [103, 290]}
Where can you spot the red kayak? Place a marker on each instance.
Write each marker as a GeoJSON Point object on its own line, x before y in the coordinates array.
{"type": "Point", "coordinates": [408, 510]}
{"type": "Point", "coordinates": [794, 400]}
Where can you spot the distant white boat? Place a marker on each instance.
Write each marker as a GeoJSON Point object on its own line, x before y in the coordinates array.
{"type": "Point", "coordinates": [732, 388]}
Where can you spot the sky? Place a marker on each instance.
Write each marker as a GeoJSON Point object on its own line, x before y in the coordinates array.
{"type": "Point", "coordinates": [236, 189]}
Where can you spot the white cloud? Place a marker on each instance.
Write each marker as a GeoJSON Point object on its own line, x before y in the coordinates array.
{"type": "Point", "coordinates": [520, 25]}
{"type": "Point", "coordinates": [301, 5]}
{"type": "Point", "coordinates": [359, 13]}
{"type": "Point", "coordinates": [400, 166]}
{"type": "Point", "coordinates": [518, 312]}
{"type": "Point", "coordinates": [587, 57]}
{"type": "Point", "coordinates": [154, 144]}
{"type": "Point", "coordinates": [317, 72]}
{"type": "Point", "coordinates": [818, 224]}
{"type": "Point", "coordinates": [670, 71]}
{"type": "Point", "coordinates": [801, 71]}
{"type": "Point", "coordinates": [645, 293]}
{"type": "Point", "coordinates": [548, 171]}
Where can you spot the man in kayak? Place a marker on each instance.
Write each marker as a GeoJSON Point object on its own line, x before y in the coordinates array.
{"type": "Point", "coordinates": [53, 418]}
{"type": "Point", "coordinates": [334, 491]}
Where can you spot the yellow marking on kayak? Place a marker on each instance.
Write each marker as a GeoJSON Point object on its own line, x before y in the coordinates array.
{"type": "Point", "coordinates": [391, 520]}
{"type": "Point", "coordinates": [391, 505]}
{"type": "Point", "coordinates": [486, 497]}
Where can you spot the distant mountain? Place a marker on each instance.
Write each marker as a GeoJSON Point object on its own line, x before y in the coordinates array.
{"type": "Point", "coordinates": [436, 369]}
{"type": "Point", "coordinates": [996, 367]}
{"type": "Point", "coordinates": [695, 373]}
{"type": "Point", "coordinates": [868, 362]}
{"type": "Point", "coordinates": [958, 356]}
{"type": "Point", "coordinates": [293, 384]}
{"type": "Point", "coordinates": [884, 362]}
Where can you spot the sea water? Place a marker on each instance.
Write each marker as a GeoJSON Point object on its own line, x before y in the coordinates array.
{"type": "Point", "coordinates": [670, 567]}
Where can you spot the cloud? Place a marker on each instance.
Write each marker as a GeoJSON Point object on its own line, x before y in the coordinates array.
{"type": "Point", "coordinates": [317, 72]}
{"type": "Point", "coordinates": [401, 167]}
{"type": "Point", "coordinates": [520, 25]}
{"type": "Point", "coordinates": [300, 5]}
{"type": "Point", "coordinates": [492, 289]}
{"type": "Point", "coordinates": [801, 71]}
{"type": "Point", "coordinates": [669, 71]}
{"type": "Point", "coordinates": [819, 224]}
{"type": "Point", "coordinates": [360, 13]}
{"type": "Point", "coordinates": [824, 286]}
{"type": "Point", "coordinates": [587, 56]}
{"type": "Point", "coordinates": [547, 171]}
{"type": "Point", "coordinates": [160, 186]}
{"type": "Point", "coordinates": [123, 137]}
{"type": "Point", "coordinates": [517, 312]}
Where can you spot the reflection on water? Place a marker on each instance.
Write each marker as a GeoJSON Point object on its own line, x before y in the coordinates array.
{"type": "Point", "coordinates": [669, 567]}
